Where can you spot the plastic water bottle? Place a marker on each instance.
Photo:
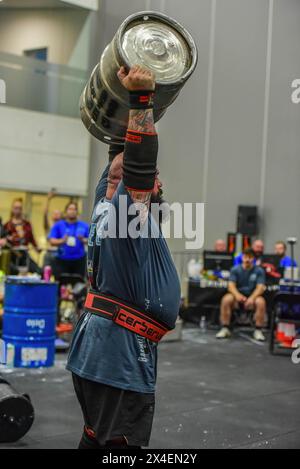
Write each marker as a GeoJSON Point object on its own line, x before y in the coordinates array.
{"type": "Point", "coordinates": [202, 324]}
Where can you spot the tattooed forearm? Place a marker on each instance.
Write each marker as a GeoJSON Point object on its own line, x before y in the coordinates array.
{"type": "Point", "coordinates": [141, 121]}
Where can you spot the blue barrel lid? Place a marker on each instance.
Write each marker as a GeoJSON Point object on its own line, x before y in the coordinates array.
{"type": "Point", "coordinates": [27, 280]}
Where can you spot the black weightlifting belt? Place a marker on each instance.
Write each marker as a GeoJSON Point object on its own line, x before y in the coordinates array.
{"type": "Point", "coordinates": [125, 315]}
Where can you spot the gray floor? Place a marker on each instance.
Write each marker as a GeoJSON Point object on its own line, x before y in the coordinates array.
{"type": "Point", "coordinates": [210, 395]}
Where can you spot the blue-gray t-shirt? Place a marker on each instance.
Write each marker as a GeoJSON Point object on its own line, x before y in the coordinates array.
{"type": "Point", "coordinates": [246, 280]}
{"type": "Point", "coordinates": [140, 271]}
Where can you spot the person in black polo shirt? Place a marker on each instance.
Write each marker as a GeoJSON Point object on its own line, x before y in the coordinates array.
{"type": "Point", "coordinates": [245, 289]}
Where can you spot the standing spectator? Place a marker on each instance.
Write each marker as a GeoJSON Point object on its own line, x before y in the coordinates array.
{"type": "Point", "coordinates": [280, 250]}
{"type": "Point", "coordinates": [70, 236]}
{"type": "Point", "coordinates": [19, 234]}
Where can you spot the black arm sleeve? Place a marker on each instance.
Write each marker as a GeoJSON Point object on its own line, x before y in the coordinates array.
{"type": "Point", "coordinates": [140, 158]}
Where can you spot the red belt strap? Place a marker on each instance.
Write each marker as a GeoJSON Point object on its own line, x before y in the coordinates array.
{"type": "Point", "coordinates": [124, 315]}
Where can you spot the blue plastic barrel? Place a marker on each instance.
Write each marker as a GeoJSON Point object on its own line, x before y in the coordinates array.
{"type": "Point", "coordinates": [30, 311]}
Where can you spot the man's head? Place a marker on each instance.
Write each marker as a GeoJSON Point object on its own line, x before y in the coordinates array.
{"type": "Point", "coordinates": [71, 211]}
{"type": "Point", "coordinates": [248, 258]}
{"type": "Point", "coordinates": [258, 247]}
{"type": "Point", "coordinates": [17, 208]}
{"type": "Point", "coordinates": [220, 245]}
{"type": "Point", "coordinates": [280, 248]}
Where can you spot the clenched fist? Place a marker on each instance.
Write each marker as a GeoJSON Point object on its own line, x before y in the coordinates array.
{"type": "Point", "coordinates": [138, 78]}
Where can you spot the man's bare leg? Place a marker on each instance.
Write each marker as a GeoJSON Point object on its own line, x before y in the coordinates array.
{"type": "Point", "coordinates": [227, 305]}
{"type": "Point", "coordinates": [260, 314]}
{"type": "Point", "coordinates": [260, 311]}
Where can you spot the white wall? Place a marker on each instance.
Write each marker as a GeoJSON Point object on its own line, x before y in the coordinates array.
{"type": "Point", "coordinates": [79, 57]}
{"type": "Point", "coordinates": [64, 31]}
{"type": "Point", "coordinates": [232, 137]}
{"type": "Point", "coordinates": [39, 151]}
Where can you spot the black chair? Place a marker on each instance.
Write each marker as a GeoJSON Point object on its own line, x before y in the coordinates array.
{"type": "Point", "coordinates": [286, 309]}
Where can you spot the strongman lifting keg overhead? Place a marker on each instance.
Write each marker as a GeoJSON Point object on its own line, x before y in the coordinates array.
{"type": "Point", "coordinates": [134, 291]}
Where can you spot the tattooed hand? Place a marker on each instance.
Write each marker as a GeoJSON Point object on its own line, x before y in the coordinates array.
{"type": "Point", "coordinates": [138, 78]}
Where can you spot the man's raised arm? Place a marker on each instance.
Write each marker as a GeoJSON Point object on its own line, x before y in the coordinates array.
{"type": "Point", "coordinates": [141, 145]}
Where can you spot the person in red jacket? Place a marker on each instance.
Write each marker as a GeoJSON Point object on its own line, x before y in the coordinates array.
{"type": "Point", "coordinates": [19, 234]}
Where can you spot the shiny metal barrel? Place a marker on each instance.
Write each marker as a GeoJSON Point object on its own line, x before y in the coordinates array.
{"type": "Point", "coordinates": [146, 38]}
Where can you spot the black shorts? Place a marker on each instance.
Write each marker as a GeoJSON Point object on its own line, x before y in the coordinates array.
{"type": "Point", "coordinates": [112, 412]}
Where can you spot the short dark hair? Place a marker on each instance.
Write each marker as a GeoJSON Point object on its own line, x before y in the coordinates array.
{"type": "Point", "coordinates": [249, 252]}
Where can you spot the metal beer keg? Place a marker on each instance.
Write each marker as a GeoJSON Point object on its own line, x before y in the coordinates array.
{"type": "Point", "coordinates": [146, 38]}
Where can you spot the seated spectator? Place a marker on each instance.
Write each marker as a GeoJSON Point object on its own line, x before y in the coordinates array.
{"type": "Point", "coordinates": [280, 250]}
{"type": "Point", "coordinates": [258, 249]}
{"type": "Point", "coordinates": [19, 234]}
{"type": "Point", "coordinates": [245, 289]}
{"type": "Point", "coordinates": [220, 245]}
{"type": "Point", "coordinates": [69, 235]}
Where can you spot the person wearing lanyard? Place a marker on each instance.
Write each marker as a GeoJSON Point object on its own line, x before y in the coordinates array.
{"type": "Point", "coordinates": [70, 236]}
